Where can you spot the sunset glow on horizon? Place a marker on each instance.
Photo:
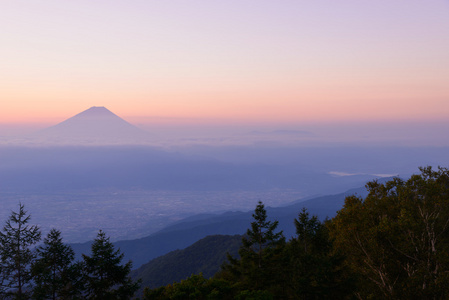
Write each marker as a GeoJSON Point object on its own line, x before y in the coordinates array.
{"type": "Point", "coordinates": [233, 61]}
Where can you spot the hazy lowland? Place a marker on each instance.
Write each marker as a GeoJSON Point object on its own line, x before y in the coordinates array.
{"type": "Point", "coordinates": [96, 171]}
{"type": "Point", "coordinates": [176, 204]}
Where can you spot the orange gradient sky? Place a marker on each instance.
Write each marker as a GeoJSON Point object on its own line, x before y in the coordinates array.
{"type": "Point", "coordinates": [230, 61]}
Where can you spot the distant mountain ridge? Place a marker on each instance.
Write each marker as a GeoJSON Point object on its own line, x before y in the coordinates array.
{"type": "Point", "coordinates": [96, 125]}
{"type": "Point", "coordinates": [186, 232]}
{"type": "Point", "coordinates": [204, 256]}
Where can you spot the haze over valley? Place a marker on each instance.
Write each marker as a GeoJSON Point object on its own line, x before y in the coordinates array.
{"type": "Point", "coordinates": [308, 139]}
{"type": "Point", "coordinates": [98, 171]}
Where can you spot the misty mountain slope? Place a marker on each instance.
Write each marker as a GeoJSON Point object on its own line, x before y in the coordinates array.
{"type": "Point", "coordinates": [127, 167]}
{"type": "Point", "coordinates": [354, 159]}
{"type": "Point", "coordinates": [183, 234]}
{"type": "Point", "coordinates": [142, 250]}
{"type": "Point", "coordinates": [96, 125]}
{"type": "Point", "coordinates": [322, 206]}
{"type": "Point", "coordinates": [204, 256]}
{"type": "Point", "coordinates": [136, 190]}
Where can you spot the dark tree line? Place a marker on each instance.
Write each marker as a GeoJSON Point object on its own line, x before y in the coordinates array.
{"type": "Point", "coordinates": [49, 271]}
{"type": "Point", "coordinates": [394, 244]}
{"type": "Point", "coordinates": [269, 267]}
{"type": "Point", "coordinates": [397, 239]}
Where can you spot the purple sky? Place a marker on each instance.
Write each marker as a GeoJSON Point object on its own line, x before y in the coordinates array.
{"type": "Point", "coordinates": [270, 63]}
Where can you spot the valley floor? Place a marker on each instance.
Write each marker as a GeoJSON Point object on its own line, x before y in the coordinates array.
{"type": "Point", "coordinates": [129, 214]}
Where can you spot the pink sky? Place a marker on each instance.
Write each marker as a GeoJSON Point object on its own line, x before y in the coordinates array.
{"type": "Point", "coordinates": [231, 61]}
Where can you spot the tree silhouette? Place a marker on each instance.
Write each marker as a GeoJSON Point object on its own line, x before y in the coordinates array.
{"type": "Point", "coordinates": [397, 238]}
{"type": "Point", "coordinates": [315, 270]}
{"type": "Point", "coordinates": [105, 276]}
{"type": "Point", "coordinates": [261, 235]}
{"type": "Point", "coordinates": [259, 266]}
{"type": "Point", "coordinates": [53, 270]}
{"type": "Point", "coordinates": [16, 255]}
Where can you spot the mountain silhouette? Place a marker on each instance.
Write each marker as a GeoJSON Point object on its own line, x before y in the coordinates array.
{"type": "Point", "coordinates": [96, 125]}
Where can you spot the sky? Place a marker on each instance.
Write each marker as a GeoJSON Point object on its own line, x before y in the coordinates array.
{"type": "Point", "coordinates": [228, 62]}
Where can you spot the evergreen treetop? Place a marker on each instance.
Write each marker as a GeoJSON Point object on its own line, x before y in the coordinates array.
{"type": "Point", "coordinates": [16, 240]}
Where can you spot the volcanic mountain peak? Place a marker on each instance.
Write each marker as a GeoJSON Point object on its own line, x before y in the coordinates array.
{"type": "Point", "coordinates": [96, 125]}
{"type": "Point", "coordinates": [96, 111]}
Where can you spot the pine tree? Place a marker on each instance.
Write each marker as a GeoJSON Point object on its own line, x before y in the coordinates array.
{"type": "Point", "coordinates": [53, 269]}
{"type": "Point", "coordinates": [259, 266]}
{"type": "Point", "coordinates": [261, 235]}
{"type": "Point", "coordinates": [309, 231]}
{"type": "Point", "coordinates": [315, 270]}
{"type": "Point", "coordinates": [105, 276]}
{"type": "Point", "coordinates": [16, 255]}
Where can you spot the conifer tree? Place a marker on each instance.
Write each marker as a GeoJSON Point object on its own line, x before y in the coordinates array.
{"type": "Point", "coordinates": [53, 269]}
{"type": "Point", "coordinates": [16, 254]}
{"type": "Point", "coordinates": [259, 266]}
{"type": "Point", "coordinates": [315, 270]}
{"type": "Point", "coordinates": [261, 235]}
{"type": "Point", "coordinates": [105, 276]}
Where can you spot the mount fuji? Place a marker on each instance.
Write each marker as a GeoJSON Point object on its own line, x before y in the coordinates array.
{"type": "Point", "coordinates": [96, 125]}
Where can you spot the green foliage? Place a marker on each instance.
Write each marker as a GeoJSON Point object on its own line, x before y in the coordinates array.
{"type": "Point", "coordinates": [205, 256]}
{"type": "Point", "coordinates": [50, 267]}
{"type": "Point", "coordinates": [54, 275]}
{"type": "Point", "coordinates": [315, 270]}
{"type": "Point", "coordinates": [395, 244]}
{"type": "Point", "coordinates": [397, 239]}
{"type": "Point", "coordinates": [105, 276]}
{"type": "Point", "coordinates": [254, 295]}
{"type": "Point", "coordinates": [260, 260]}
{"type": "Point", "coordinates": [311, 234]}
{"type": "Point", "coordinates": [194, 287]}
{"type": "Point", "coordinates": [261, 235]}
{"type": "Point", "coordinates": [269, 268]}
{"type": "Point", "coordinates": [16, 240]}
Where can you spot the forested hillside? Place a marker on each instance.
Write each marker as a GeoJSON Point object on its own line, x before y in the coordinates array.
{"type": "Point", "coordinates": [49, 270]}
{"type": "Point", "coordinates": [189, 230]}
{"type": "Point", "coordinates": [205, 256]}
{"type": "Point", "coordinates": [393, 244]}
